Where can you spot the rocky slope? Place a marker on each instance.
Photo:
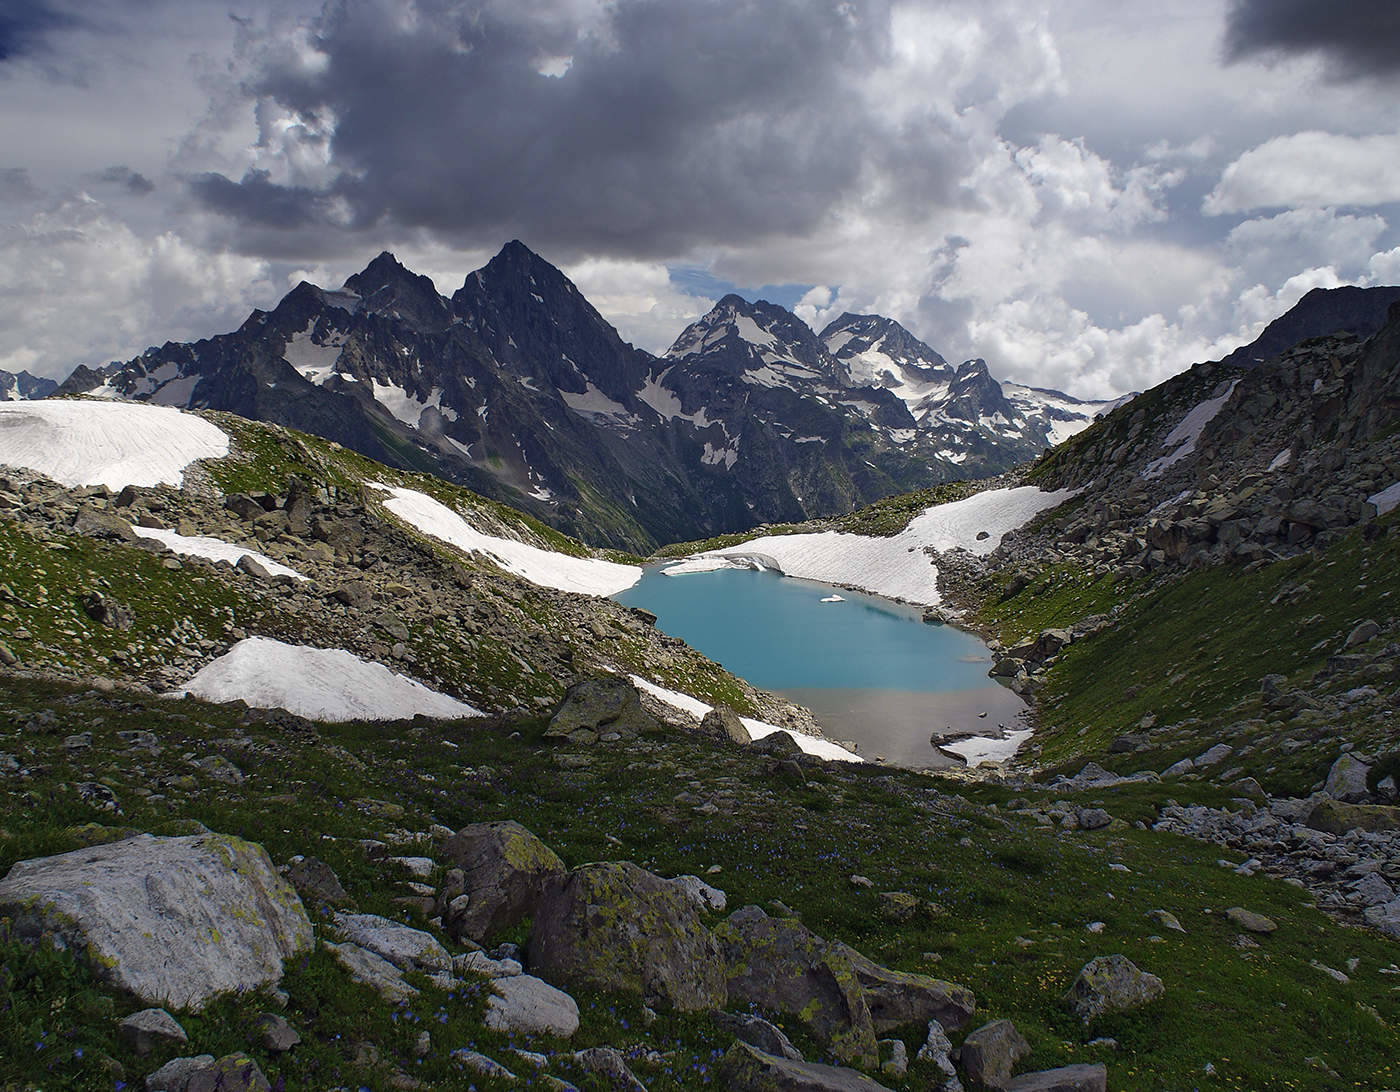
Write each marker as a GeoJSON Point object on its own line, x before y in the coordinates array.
{"type": "Point", "coordinates": [518, 388]}
{"type": "Point", "coordinates": [15, 387]}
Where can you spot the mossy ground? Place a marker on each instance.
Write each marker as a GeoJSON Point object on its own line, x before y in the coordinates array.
{"type": "Point", "coordinates": [1012, 900]}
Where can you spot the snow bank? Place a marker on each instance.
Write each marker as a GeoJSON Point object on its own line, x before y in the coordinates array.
{"type": "Point", "coordinates": [976, 750]}
{"type": "Point", "coordinates": [703, 564]}
{"type": "Point", "coordinates": [587, 575]}
{"type": "Point", "coordinates": [317, 683]}
{"type": "Point", "coordinates": [897, 567]}
{"type": "Point", "coordinates": [115, 444]}
{"type": "Point", "coordinates": [1181, 441]}
{"type": "Point", "coordinates": [1387, 499]}
{"type": "Point", "coordinates": [757, 729]}
{"type": "Point", "coordinates": [215, 549]}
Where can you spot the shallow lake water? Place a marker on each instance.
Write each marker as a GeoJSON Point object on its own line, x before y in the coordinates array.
{"type": "Point", "coordinates": [870, 669]}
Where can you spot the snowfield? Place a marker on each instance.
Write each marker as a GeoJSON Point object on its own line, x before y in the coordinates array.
{"type": "Point", "coordinates": [757, 729]}
{"type": "Point", "coordinates": [1181, 441]}
{"type": "Point", "coordinates": [589, 576]}
{"type": "Point", "coordinates": [116, 444]}
{"type": "Point", "coordinates": [1387, 499]}
{"type": "Point", "coordinates": [976, 750]}
{"type": "Point", "coordinates": [893, 567]}
{"type": "Point", "coordinates": [215, 549]}
{"type": "Point", "coordinates": [317, 683]}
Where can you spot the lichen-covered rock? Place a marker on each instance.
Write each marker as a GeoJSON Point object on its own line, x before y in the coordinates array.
{"type": "Point", "coordinates": [1336, 817]}
{"type": "Point", "coordinates": [757, 1032]}
{"type": "Point", "coordinates": [1346, 780]}
{"type": "Point", "coordinates": [1111, 984]}
{"type": "Point", "coordinates": [529, 1006]}
{"type": "Point", "coordinates": [149, 1030]}
{"type": "Point", "coordinates": [723, 723]}
{"type": "Point", "coordinates": [1249, 921]}
{"type": "Point", "coordinates": [780, 965]}
{"type": "Point", "coordinates": [745, 1068]}
{"type": "Point", "coordinates": [990, 1053]}
{"type": "Point", "coordinates": [231, 1073]}
{"type": "Point", "coordinates": [898, 998]}
{"type": "Point", "coordinates": [1069, 1078]}
{"type": "Point", "coordinates": [315, 881]}
{"type": "Point", "coordinates": [174, 1075]}
{"type": "Point", "coordinates": [609, 703]}
{"type": "Point", "coordinates": [616, 926]}
{"type": "Point", "coordinates": [371, 970]}
{"type": "Point", "coordinates": [609, 1063]}
{"type": "Point", "coordinates": [506, 869]}
{"type": "Point", "coordinates": [176, 921]}
{"type": "Point", "coordinates": [406, 948]}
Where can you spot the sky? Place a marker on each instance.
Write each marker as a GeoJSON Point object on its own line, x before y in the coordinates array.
{"type": "Point", "coordinates": [1088, 194]}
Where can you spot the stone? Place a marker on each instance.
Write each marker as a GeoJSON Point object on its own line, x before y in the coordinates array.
{"type": "Point", "coordinates": [937, 1051]}
{"type": "Point", "coordinates": [897, 999]}
{"type": "Point", "coordinates": [777, 745]}
{"type": "Point", "coordinates": [7, 657]}
{"type": "Point", "coordinates": [701, 894]}
{"type": "Point", "coordinates": [898, 906]}
{"type": "Point", "coordinates": [357, 594]}
{"type": "Point", "coordinates": [220, 769]}
{"type": "Point", "coordinates": [371, 970]}
{"type": "Point", "coordinates": [1111, 984]}
{"type": "Point", "coordinates": [1364, 631]}
{"type": "Point", "coordinates": [106, 611]}
{"type": "Point", "coordinates": [506, 870]}
{"type": "Point", "coordinates": [1069, 1078]}
{"type": "Point", "coordinates": [757, 1032]}
{"type": "Point", "coordinates": [745, 1068]}
{"type": "Point", "coordinates": [406, 948]}
{"type": "Point", "coordinates": [483, 964]}
{"type": "Point", "coordinates": [894, 1057]}
{"type": "Point", "coordinates": [609, 1064]}
{"type": "Point", "coordinates": [480, 1063]}
{"type": "Point", "coordinates": [254, 568]}
{"type": "Point", "coordinates": [149, 1030]}
{"type": "Point", "coordinates": [275, 1034]}
{"type": "Point", "coordinates": [1346, 780]}
{"type": "Point", "coordinates": [174, 1075]}
{"type": "Point", "coordinates": [315, 881]}
{"type": "Point", "coordinates": [615, 926]}
{"type": "Point", "coordinates": [1335, 817]}
{"type": "Point", "coordinates": [1176, 769]}
{"type": "Point", "coordinates": [104, 525]}
{"type": "Point", "coordinates": [530, 1006]}
{"type": "Point", "coordinates": [990, 1053]}
{"type": "Point", "coordinates": [231, 1073]}
{"type": "Point", "coordinates": [780, 965]}
{"type": "Point", "coordinates": [1215, 755]}
{"type": "Point", "coordinates": [1167, 920]}
{"type": "Point", "coordinates": [607, 703]}
{"type": "Point", "coordinates": [1384, 917]}
{"type": "Point", "coordinates": [723, 723]}
{"type": "Point", "coordinates": [1093, 818]}
{"type": "Point", "coordinates": [176, 921]}
{"type": "Point", "coordinates": [1250, 921]}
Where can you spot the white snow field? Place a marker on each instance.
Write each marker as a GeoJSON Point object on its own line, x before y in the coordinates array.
{"type": "Point", "coordinates": [1387, 499]}
{"type": "Point", "coordinates": [317, 683]}
{"type": "Point", "coordinates": [547, 568]}
{"type": "Point", "coordinates": [979, 749]}
{"type": "Point", "coordinates": [115, 444]}
{"type": "Point", "coordinates": [822, 748]}
{"type": "Point", "coordinates": [894, 567]}
{"type": "Point", "coordinates": [215, 549]}
{"type": "Point", "coordinates": [1181, 441]}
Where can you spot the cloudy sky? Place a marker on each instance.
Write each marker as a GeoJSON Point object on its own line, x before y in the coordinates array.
{"type": "Point", "coordinates": [1089, 194]}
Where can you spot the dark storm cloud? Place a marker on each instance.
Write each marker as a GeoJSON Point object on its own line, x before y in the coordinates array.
{"type": "Point", "coordinates": [674, 124]}
{"type": "Point", "coordinates": [25, 24]}
{"type": "Point", "coordinates": [133, 181]}
{"type": "Point", "coordinates": [1357, 38]}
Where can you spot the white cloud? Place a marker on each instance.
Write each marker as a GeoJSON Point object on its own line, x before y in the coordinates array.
{"type": "Point", "coordinates": [1384, 267]}
{"type": "Point", "coordinates": [1310, 169]}
{"type": "Point", "coordinates": [639, 298]}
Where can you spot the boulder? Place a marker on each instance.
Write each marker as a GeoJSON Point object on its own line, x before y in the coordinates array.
{"type": "Point", "coordinates": [406, 948]}
{"type": "Point", "coordinates": [615, 926]}
{"type": "Point", "coordinates": [609, 1063]}
{"type": "Point", "coordinates": [506, 869]}
{"type": "Point", "coordinates": [780, 965]}
{"type": "Point", "coordinates": [275, 1034]}
{"type": "Point", "coordinates": [1093, 818]}
{"type": "Point", "coordinates": [371, 970]}
{"type": "Point", "coordinates": [530, 1006]}
{"type": "Point", "coordinates": [609, 703]}
{"type": "Point", "coordinates": [723, 723]}
{"type": "Point", "coordinates": [1335, 817]}
{"type": "Point", "coordinates": [990, 1053]}
{"type": "Point", "coordinates": [1346, 780]}
{"type": "Point", "coordinates": [1385, 917]}
{"type": "Point", "coordinates": [701, 894]}
{"type": "Point", "coordinates": [106, 611]}
{"type": "Point", "coordinates": [1069, 1078]}
{"type": "Point", "coordinates": [174, 1075]}
{"type": "Point", "coordinates": [176, 921]}
{"type": "Point", "coordinates": [937, 1051]}
{"type": "Point", "coordinates": [149, 1030]}
{"type": "Point", "coordinates": [315, 881]}
{"type": "Point", "coordinates": [1111, 984]}
{"type": "Point", "coordinates": [758, 1032]}
{"type": "Point", "coordinates": [1249, 921]}
{"type": "Point", "coordinates": [899, 998]}
{"type": "Point", "coordinates": [1364, 631]}
{"type": "Point", "coordinates": [745, 1068]}
{"type": "Point", "coordinates": [231, 1073]}
{"type": "Point", "coordinates": [777, 745]}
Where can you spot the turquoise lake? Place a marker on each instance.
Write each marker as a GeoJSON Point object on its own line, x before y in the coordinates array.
{"type": "Point", "coordinates": [870, 669]}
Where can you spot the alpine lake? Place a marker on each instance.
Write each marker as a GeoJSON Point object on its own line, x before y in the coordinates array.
{"type": "Point", "coordinates": [870, 669]}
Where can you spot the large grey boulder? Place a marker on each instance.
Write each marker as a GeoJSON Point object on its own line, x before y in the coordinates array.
{"type": "Point", "coordinates": [530, 1006]}
{"type": "Point", "coordinates": [371, 970]}
{"type": "Point", "coordinates": [406, 948]}
{"type": "Point", "coordinates": [780, 965]}
{"type": "Point", "coordinates": [149, 1030]}
{"type": "Point", "coordinates": [609, 703]}
{"type": "Point", "coordinates": [722, 723]}
{"type": "Point", "coordinates": [990, 1053]}
{"type": "Point", "coordinates": [757, 1032]}
{"type": "Point", "coordinates": [745, 1068]}
{"type": "Point", "coordinates": [1111, 984]}
{"type": "Point", "coordinates": [615, 926]}
{"type": "Point", "coordinates": [506, 870]}
{"type": "Point", "coordinates": [899, 998]}
{"type": "Point", "coordinates": [1385, 917]}
{"type": "Point", "coordinates": [1346, 780]}
{"type": "Point", "coordinates": [1069, 1078]}
{"type": "Point", "coordinates": [176, 921]}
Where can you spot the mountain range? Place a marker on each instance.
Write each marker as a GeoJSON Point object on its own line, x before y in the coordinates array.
{"type": "Point", "coordinates": [518, 388]}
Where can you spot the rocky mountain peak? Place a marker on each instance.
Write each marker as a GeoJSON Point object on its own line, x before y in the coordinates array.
{"type": "Point", "coordinates": [15, 386]}
{"type": "Point", "coordinates": [387, 287]}
{"type": "Point", "coordinates": [1359, 311]}
{"type": "Point", "coordinates": [878, 351]}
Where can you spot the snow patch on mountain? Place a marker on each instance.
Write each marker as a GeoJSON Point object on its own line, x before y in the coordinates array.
{"type": "Point", "coordinates": [1181, 441]}
{"type": "Point", "coordinates": [317, 683]}
{"type": "Point", "coordinates": [315, 362]}
{"type": "Point", "coordinates": [1387, 500]}
{"type": "Point", "coordinates": [757, 729]}
{"type": "Point", "coordinates": [213, 549]}
{"type": "Point", "coordinates": [586, 575]}
{"type": "Point", "coordinates": [404, 406]}
{"type": "Point", "coordinates": [594, 403]}
{"type": "Point", "coordinates": [897, 567]}
{"type": "Point", "coordinates": [100, 442]}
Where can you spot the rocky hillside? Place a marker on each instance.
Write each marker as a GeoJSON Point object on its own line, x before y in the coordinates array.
{"type": "Point", "coordinates": [517, 388]}
{"type": "Point", "coordinates": [15, 387]}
